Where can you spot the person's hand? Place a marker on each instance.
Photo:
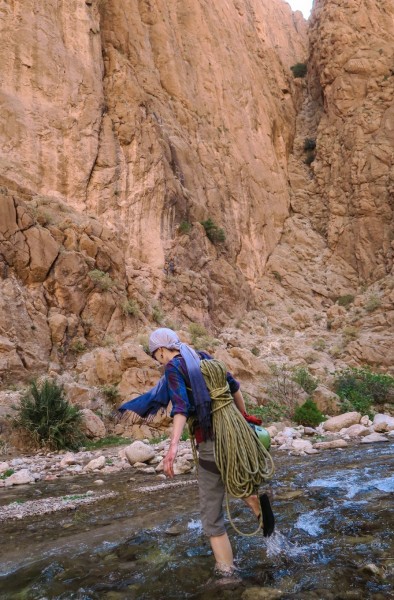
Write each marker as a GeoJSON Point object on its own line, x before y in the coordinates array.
{"type": "Point", "coordinates": [168, 463]}
{"type": "Point", "coordinates": [252, 419]}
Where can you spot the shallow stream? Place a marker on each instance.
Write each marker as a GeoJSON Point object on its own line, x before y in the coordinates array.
{"type": "Point", "coordinates": [334, 540]}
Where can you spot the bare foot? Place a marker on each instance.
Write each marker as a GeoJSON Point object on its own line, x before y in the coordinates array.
{"type": "Point", "coordinates": [254, 504]}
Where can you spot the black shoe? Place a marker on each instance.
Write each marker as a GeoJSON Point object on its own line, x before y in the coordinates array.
{"type": "Point", "coordinates": [268, 515]}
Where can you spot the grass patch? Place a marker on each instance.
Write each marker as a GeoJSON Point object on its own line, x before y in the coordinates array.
{"type": "Point", "coordinates": [110, 440]}
{"type": "Point", "coordinates": [101, 279]}
{"type": "Point", "coordinates": [7, 473]}
{"type": "Point", "coordinates": [214, 233]}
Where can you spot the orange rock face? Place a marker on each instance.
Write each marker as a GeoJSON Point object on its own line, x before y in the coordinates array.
{"type": "Point", "coordinates": [128, 123]}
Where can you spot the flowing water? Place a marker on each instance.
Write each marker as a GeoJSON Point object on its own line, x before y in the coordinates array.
{"type": "Point", "coordinates": [334, 537]}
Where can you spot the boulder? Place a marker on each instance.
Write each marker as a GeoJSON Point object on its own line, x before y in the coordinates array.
{"type": "Point", "coordinates": [4, 466]}
{"type": "Point", "coordinates": [95, 464]}
{"type": "Point", "coordinates": [341, 421]}
{"type": "Point", "coordinates": [92, 425]}
{"type": "Point", "coordinates": [326, 401]}
{"type": "Point", "coordinates": [139, 452]}
{"type": "Point", "coordinates": [300, 447]}
{"type": "Point", "coordinates": [20, 478]}
{"type": "Point", "coordinates": [355, 430]}
{"type": "Point", "coordinates": [382, 423]}
{"type": "Point", "coordinates": [330, 445]}
{"type": "Point", "coordinates": [67, 460]}
{"type": "Point", "coordinates": [374, 437]}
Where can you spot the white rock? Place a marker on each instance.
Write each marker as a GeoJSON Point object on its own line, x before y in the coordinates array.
{"type": "Point", "coordinates": [365, 420]}
{"type": "Point", "coordinates": [300, 447]}
{"type": "Point", "coordinates": [99, 481]}
{"type": "Point", "coordinates": [139, 452]}
{"type": "Point", "coordinates": [4, 466]}
{"type": "Point", "coordinates": [68, 459]}
{"type": "Point", "coordinates": [341, 421]}
{"type": "Point", "coordinates": [272, 430]}
{"type": "Point", "coordinates": [181, 465]}
{"type": "Point", "coordinates": [96, 463]}
{"type": "Point", "coordinates": [355, 431]}
{"type": "Point", "coordinates": [19, 478]}
{"type": "Point", "coordinates": [382, 423]}
{"type": "Point", "coordinates": [330, 445]}
{"type": "Point", "coordinates": [374, 437]}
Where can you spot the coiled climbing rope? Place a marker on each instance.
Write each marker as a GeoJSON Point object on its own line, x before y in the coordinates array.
{"type": "Point", "coordinates": [243, 462]}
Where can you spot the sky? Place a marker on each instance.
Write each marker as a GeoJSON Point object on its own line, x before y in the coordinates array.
{"type": "Point", "coordinates": [303, 5]}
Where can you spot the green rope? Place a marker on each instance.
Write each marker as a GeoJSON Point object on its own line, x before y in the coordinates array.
{"type": "Point", "coordinates": [243, 466]}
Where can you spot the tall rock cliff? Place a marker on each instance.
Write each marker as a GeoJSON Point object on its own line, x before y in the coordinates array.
{"type": "Point", "coordinates": [126, 123]}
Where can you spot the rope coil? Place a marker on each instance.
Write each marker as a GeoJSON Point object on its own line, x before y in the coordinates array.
{"type": "Point", "coordinates": [243, 466]}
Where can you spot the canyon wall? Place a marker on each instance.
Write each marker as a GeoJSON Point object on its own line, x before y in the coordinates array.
{"type": "Point", "coordinates": [128, 122]}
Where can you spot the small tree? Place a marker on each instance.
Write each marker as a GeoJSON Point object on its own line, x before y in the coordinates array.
{"type": "Point", "coordinates": [48, 418]}
{"type": "Point", "coordinates": [308, 414]}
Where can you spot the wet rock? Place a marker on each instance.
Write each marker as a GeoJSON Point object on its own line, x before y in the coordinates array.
{"type": "Point", "coordinates": [175, 530]}
{"type": "Point", "coordinates": [341, 421]}
{"type": "Point", "coordinates": [331, 445]}
{"type": "Point", "coordinates": [99, 481]}
{"type": "Point", "coordinates": [20, 478]}
{"type": "Point", "coordinates": [96, 463]}
{"type": "Point", "coordinates": [374, 437]}
{"type": "Point", "coordinates": [139, 452]}
{"type": "Point", "coordinates": [147, 470]}
{"type": "Point", "coordinates": [372, 569]}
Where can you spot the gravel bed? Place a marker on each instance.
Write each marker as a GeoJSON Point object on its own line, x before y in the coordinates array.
{"type": "Point", "coordinates": [17, 510]}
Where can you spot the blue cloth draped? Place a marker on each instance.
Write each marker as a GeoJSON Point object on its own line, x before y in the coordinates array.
{"type": "Point", "coordinates": [158, 397]}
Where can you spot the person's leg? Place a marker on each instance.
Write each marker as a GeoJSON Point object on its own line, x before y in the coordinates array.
{"type": "Point", "coordinates": [223, 553]}
{"type": "Point", "coordinates": [211, 490]}
{"type": "Point", "coordinates": [254, 504]}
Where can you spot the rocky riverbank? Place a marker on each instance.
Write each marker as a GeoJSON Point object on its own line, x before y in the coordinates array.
{"type": "Point", "coordinates": [140, 456]}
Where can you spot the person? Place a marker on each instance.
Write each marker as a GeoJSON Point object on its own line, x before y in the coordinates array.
{"type": "Point", "coordinates": [184, 386]}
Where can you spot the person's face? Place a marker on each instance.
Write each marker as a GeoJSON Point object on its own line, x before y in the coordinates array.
{"type": "Point", "coordinates": [158, 355]}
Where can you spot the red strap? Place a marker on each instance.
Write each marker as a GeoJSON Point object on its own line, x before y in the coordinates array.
{"type": "Point", "coordinates": [252, 419]}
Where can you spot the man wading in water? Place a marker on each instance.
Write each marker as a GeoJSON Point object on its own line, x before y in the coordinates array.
{"type": "Point", "coordinates": [185, 386]}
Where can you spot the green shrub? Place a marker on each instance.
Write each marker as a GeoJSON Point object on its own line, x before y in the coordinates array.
{"type": "Point", "coordinates": [157, 314]}
{"type": "Point", "coordinates": [309, 144]}
{"type": "Point", "coordinates": [214, 233]}
{"type": "Point", "coordinates": [345, 300]}
{"type": "Point", "coordinates": [77, 347]}
{"type": "Point", "coordinates": [372, 303]}
{"type": "Point", "coordinates": [185, 227]}
{"type": "Point", "coordinates": [305, 380]}
{"type": "Point", "coordinates": [48, 418]}
{"type": "Point", "coordinates": [130, 307]}
{"type": "Point", "coordinates": [255, 351]}
{"type": "Point", "coordinates": [299, 70]}
{"type": "Point", "coordinates": [101, 279]}
{"type": "Point", "coordinates": [352, 383]}
{"type": "Point", "coordinates": [284, 391]}
{"type": "Point", "coordinates": [7, 473]}
{"type": "Point", "coordinates": [110, 391]}
{"type": "Point", "coordinates": [268, 412]}
{"type": "Point", "coordinates": [197, 331]}
{"type": "Point", "coordinates": [357, 401]}
{"type": "Point", "coordinates": [308, 414]}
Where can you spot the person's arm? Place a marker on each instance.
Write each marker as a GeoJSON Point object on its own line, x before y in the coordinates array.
{"type": "Point", "coordinates": [180, 409]}
{"type": "Point", "coordinates": [239, 401]}
{"type": "Point", "coordinates": [168, 464]}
